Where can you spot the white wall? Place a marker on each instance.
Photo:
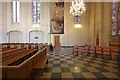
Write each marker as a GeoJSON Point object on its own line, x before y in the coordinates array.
{"type": "Point", "coordinates": [4, 19]}
{"type": "Point", "coordinates": [70, 37]}
{"type": "Point", "coordinates": [0, 21]}
{"type": "Point", "coordinates": [26, 23]}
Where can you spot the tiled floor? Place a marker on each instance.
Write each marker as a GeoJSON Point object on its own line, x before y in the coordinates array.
{"type": "Point", "coordinates": [65, 65]}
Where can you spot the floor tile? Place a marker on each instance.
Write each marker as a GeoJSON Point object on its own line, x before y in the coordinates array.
{"type": "Point", "coordinates": [111, 69]}
{"type": "Point", "coordinates": [77, 75]}
{"type": "Point", "coordinates": [56, 69]}
{"type": "Point", "coordinates": [67, 75]}
{"type": "Point", "coordinates": [64, 65]}
{"type": "Point", "coordinates": [47, 69]}
{"type": "Point", "coordinates": [49, 65]}
{"type": "Point", "coordinates": [95, 65]}
{"type": "Point", "coordinates": [92, 69]}
{"type": "Point", "coordinates": [83, 69]}
{"type": "Point", "coordinates": [101, 69]}
{"type": "Point", "coordinates": [99, 75]}
{"type": "Point", "coordinates": [56, 65]}
{"type": "Point", "coordinates": [88, 75]}
{"type": "Point", "coordinates": [74, 69]}
{"type": "Point", "coordinates": [87, 64]}
{"type": "Point", "coordinates": [46, 75]}
{"type": "Point", "coordinates": [56, 75]}
{"type": "Point", "coordinates": [72, 65]}
{"type": "Point", "coordinates": [103, 65]}
{"type": "Point", "coordinates": [110, 75]}
{"type": "Point", "coordinates": [65, 69]}
{"type": "Point", "coordinates": [56, 62]}
{"type": "Point", "coordinates": [63, 62]}
{"type": "Point", "coordinates": [111, 65]}
{"type": "Point", "coordinates": [70, 62]}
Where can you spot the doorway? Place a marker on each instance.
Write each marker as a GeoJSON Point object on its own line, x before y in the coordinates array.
{"type": "Point", "coordinates": [56, 41]}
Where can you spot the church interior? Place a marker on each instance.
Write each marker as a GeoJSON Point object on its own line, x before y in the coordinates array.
{"type": "Point", "coordinates": [60, 39]}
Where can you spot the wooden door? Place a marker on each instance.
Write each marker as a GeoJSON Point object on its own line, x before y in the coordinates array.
{"type": "Point", "coordinates": [56, 41]}
{"type": "Point", "coordinates": [97, 40]}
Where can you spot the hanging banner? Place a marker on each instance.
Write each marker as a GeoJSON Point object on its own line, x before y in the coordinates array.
{"type": "Point", "coordinates": [57, 18]}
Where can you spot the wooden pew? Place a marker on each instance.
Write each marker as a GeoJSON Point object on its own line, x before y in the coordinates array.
{"type": "Point", "coordinates": [16, 57]}
{"type": "Point", "coordinates": [107, 51]}
{"type": "Point", "coordinates": [115, 52]}
{"type": "Point", "coordinates": [18, 45]}
{"type": "Point", "coordinates": [75, 48]}
{"type": "Point", "coordinates": [80, 50]}
{"type": "Point", "coordinates": [7, 50]}
{"type": "Point", "coordinates": [26, 45]}
{"type": "Point", "coordinates": [39, 66]}
{"type": "Point", "coordinates": [24, 70]}
{"type": "Point", "coordinates": [12, 53]}
{"type": "Point", "coordinates": [5, 45]}
{"type": "Point", "coordinates": [99, 50]}
{"type": "Point", "coordinates": [92, 51]}
{"type": "Point", "coordinates": [12, 45]}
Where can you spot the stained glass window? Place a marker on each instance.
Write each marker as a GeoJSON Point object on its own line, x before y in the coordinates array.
{"type": "Point", "coordinates": [15, 11]}
{"type": "Point", "coordinates": [114, 17]}
{"type": "Point", "coordinates": [36, 11]}
{"type": "Point", "coordinates": [119, 18]}
{"type": "Point", "coordinates": [78, 19]}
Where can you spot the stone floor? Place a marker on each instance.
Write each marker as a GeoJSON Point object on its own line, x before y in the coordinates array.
{"type": "Point", "coordinates": [63, 64]}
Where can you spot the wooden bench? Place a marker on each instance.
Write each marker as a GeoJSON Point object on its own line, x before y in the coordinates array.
{"type": "Point", "coordinates": [75, 48]}
{"type": "Point", "coordinates": [11, 53]}
{"type": "Point", "coordinates": [7, 51]}
{"type": "Point", "coordinates": [92, 51]}
{"type": "Point", "coordinates": [17, 56]}
{"type": "Point", "coordinates": [39, 66]}
{"type": "Point", "coordinates": [107, 51]}
{"type": "Point", "coordinates": [23, 70]}
{"type": "Point", "coordinates": [41, 63]}
{"type": "Point", "coordinates": [99, 51]}
{"type": "Point", "coordinates": [115, 52]}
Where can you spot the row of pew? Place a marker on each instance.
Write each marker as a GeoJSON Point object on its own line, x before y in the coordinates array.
{"type": "Point", "coordinates": [22, 60]}
{"type": "Point", "coordinates": [22, 45]}
{"type": "Point", "coordinates": [96, 50]}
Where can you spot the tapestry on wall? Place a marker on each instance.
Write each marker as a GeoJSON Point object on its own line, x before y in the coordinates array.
{"type": "Point", "coordinates": [119, 18]}
{"type": "Point", "coordinates": [114, 18]}
{"type": "Point", "coordinates": [57, 18]}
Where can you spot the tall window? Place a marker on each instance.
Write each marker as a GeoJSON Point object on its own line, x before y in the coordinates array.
{"type": "Point", "coordinates": [119, 17]}
{"type": "Point", "coordinates": [36, 11]}
{"type": "Point", "coordinates": [114, 17]}
{"type": "Point", "coordinates": [16, 11]}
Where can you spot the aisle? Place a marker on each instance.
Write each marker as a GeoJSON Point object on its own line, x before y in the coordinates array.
{"type": "Point", "coordinates": [63, 64]}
